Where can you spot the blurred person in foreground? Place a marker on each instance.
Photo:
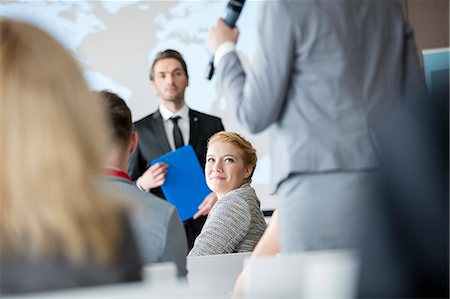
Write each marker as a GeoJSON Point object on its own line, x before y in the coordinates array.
{"type": "Point", "coordinates": [57, 229]}
{"type": "Point", "coordinates": [319, 75]}
{"type": "Point", "coordinates": [158, 229]}
{"type": "Point", "coordinates": [405, 249]}
{"type": "Point", "coordinates": [235, 223]}
{"type": "Point", "coordinates": [173, 125]}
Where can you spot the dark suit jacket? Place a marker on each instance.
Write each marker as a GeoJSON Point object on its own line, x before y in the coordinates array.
{"type": "Point", "coordinates": [153, 143]}
{"type": "Point", "coordinates": [28, 273]}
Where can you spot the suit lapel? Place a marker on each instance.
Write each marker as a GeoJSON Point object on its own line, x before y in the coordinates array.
{"type": "Point", "coordinates": [193, 130]}
{"type": "Point", "coordinates": [160, 137]}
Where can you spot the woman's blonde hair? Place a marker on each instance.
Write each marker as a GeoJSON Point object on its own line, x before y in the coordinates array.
{"type": "Point", "coordinates": [248, 152]}
{"type": "Point", "coordinates": [52, 140]}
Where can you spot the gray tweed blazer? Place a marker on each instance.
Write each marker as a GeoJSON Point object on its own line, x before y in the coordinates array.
{"type": "Point", "coordinates": [235, 224]}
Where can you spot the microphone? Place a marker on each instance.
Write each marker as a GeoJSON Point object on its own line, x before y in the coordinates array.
{"type": "Point", "coordinates": [234, 8]}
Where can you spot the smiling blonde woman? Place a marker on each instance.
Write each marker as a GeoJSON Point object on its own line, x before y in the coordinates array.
{"type": "Point", "coordinates": [235, 223]}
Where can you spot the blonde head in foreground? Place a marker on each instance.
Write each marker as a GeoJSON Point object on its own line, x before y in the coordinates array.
{"type": "Point", "coordinates": [52, 140]}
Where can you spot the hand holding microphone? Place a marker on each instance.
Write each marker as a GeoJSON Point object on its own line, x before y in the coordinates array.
{"type": "Point", "coordinates": [224, 30]}
{"type": "Point", "coordinates": [220, 33]}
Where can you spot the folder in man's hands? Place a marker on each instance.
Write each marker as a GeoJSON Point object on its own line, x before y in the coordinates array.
{"type": "Point", "coordinates": [185, 186]}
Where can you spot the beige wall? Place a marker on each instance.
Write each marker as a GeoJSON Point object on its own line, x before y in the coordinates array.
{"type": "Point", "coordinates": [430, 20]}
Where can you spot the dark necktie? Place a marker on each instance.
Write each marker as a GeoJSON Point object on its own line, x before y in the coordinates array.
{"type": "Point", "coordinates": [177, 137]}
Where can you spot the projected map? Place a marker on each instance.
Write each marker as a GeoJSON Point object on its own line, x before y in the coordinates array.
{"type": "Point", "coordinates": [115, 42]}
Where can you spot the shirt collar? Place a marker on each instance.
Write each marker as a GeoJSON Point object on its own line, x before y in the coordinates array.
{"type": "Point", "coordinates": [166, 113]}
{"type": "Point", "coordinates": [114, 172]}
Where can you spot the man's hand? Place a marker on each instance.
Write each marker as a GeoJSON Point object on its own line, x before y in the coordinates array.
{"type": "Point", "coordinates": [207, 204]}
{"type": "Point", "coordinates": [220, 33]}
{"type": "Point", "coordinates": [153, 177]}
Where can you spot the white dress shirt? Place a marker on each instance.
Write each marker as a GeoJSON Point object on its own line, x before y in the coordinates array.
{"type": "Point", "coordinates": [223, 50]}
{"type": "Point", "coordinates": [183, 123]}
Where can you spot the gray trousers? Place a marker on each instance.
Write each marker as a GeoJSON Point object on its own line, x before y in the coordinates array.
{"type": "Point", "coordinates": [324, 210]}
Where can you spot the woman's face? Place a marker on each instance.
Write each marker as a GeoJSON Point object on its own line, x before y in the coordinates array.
{"type": "Point", "coordinates": [225, 169]}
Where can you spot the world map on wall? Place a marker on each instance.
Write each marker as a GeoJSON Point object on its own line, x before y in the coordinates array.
{"type": "Point", "coordinates": [116, 41]}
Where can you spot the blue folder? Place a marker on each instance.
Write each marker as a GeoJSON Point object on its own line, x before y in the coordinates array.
{"type": "Point", "coordinates": [185, 186]}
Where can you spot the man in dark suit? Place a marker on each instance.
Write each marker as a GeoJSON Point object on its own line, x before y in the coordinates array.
{"type": "Point", "coordinates": [171, 126]}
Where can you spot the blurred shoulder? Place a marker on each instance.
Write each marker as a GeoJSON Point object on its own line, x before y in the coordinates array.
{"type": "Point", "coordinates": [145, 201]}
